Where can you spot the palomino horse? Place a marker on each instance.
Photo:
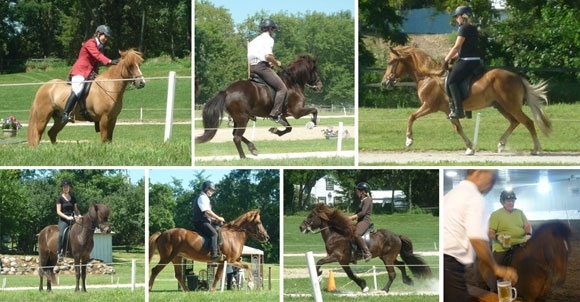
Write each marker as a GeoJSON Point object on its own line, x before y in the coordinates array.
{"type": "Point", "coordinates": [103, 102]}
{"type": "Point", "coordinates": [499, 88]}
{"type": "Point", "coordinates": [541, 262]}
{"type": "Point", "coordinates": [338, 231]}
{"type": "Point", "coordinates": [245, 100]}
{"type": "Point", "coordinates": [79, 244]}
{"type": "Point", "coordinates": [177, 243]}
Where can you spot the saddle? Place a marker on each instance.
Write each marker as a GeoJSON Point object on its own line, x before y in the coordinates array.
{"type": "Point", "coordinates": [207, 239]}
{"type": "Point", "coordinates": [65, 241]}
{"type": "Point", "coordinates": [356, 252]}
{"type": "Point", "coordinates": [509, 254]}
{"type": "Point", "coordinates": [82, 101]}
{"type": "Point", "coordinates": [464, 86]}
{"type": "Point", "coordinates": [256, 78]}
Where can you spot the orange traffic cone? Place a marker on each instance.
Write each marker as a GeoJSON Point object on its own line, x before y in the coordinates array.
{"type": "Point", "coordinates": [331, 285]}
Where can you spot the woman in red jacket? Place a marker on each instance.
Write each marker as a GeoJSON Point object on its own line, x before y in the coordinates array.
{"type": "Point", "coordinates": [86, 67]}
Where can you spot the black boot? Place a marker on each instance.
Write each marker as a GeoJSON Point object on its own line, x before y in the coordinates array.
{"type": "Point", "coordinates": [276, 113]}
{"type": "Point", "coordinates": [70, 103]}
{"type": "Point", "coordinates": [457, 98]}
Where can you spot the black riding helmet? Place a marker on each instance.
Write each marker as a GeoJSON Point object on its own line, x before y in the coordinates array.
{"type": "Point", "coordinates": [507, 194]}
{"type": "Point", "coordinates": [65, 182]}
{"type": "Point", "coordinates": [104, 29]}
{"type": "Point", "coordinates": [207, 185]}
{"type": "Point", "coordinates": [461, 10]}
{"type": "Point", "coordinates": [363, 186]}
{"type": "Point", "coordinates": [266, 24]}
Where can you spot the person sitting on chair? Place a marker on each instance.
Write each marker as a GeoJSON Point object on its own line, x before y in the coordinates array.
{"type": "Point", "coordinates": [261, 60]}
{"type": "Point", "coordinates": [203, 216]}
{"type": "Point", "coordinates": [363, 217]}
{"type": "Point", "coordinates": [85, 67]}
{"type": "Point", "coordinates": [467, 50]}
{"type": "Point", "coordinates": [66, 206]}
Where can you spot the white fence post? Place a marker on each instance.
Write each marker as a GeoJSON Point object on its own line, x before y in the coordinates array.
{"type": "Point", "coordinates": [339, 138]}
{"type": "Point", "coordinates": [313, 277]}
{"type": "Point", "coordinates": [133, 274]}
{"type": "Point", "coordinates": [170, 102]}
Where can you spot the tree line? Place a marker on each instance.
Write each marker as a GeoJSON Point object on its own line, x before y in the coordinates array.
{"type": "Point", "coordinates": [57, 28]}
{"type": "Point", "coordinates": [420, 186]}
{"type": "Point", "coordinates": [28, 204]}
{"type": "Point", "coordinates": [221, 49]}
{"type": "Point", "coordinates": [538, 39]}
{"type": "Point", "coordinates": [240, 191]}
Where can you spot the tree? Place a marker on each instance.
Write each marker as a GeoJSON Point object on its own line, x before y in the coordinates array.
{"type": "Point", "coordinates": [161, 207]}
{"type": "Point", "coordinates": [304, 181]}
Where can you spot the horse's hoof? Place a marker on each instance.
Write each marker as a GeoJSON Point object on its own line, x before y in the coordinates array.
{"type": "Point", "coordinates": [500, 147]}
{"type": "Point", "coordinates": [310, 125]}
{"type": "Point", "coordinates": [535, 152]}
{"type": "Point", "coordinates": [254, 152]}
{"type": "Point", "coordinates": [273, 130]}
{"type": "Point", "coordinates": [366, 289]}
{"type": "Point", "coordinates": [408, 142]}
{"type": "Point", "coordinates": [469, 151]}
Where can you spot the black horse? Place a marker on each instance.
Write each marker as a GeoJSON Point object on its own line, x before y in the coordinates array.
{"type": "Point", "coordinates": [245, 100]}
{"type": "Point", "coordinates": [338, 231]}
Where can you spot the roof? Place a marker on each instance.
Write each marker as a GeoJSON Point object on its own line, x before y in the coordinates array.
{"type": "Point", "coordinates": [251, 251]}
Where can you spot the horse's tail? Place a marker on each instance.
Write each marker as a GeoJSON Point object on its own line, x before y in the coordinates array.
{"type": "Point", "coordinates": [32, 131]}
{"type": "Point", "coordinates": [212, 117]}
{"type": "Point", "coordinates": [415, 263]}
{"type": "Point", "coordinates": [153, 244]}
{"type": "Point", "coordinates": [535, 95]}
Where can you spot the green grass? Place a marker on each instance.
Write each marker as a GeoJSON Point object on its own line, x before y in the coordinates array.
{"type": "Point", "coordinates": [422, 229]}
{"type": "Point", "coordinates": [133, 145]}
{"type": "Point", "coordinates": [384, 130]}
{"type": "Point", "coordinates": [122, 276]}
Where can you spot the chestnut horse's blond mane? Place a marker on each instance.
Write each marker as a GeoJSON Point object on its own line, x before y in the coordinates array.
{"type": "Point", "coordinates": [424, 64]}
{"type": "Point", "coordinates": [237, 223]}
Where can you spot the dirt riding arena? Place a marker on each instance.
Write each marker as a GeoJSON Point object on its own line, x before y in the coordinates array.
{"type": "Point", "coordinates": [458, 157]}
{"type": "Point", "coordinates": [570, 291]}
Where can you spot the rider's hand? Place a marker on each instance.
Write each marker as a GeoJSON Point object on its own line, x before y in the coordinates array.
{"type": "Point", "coordinates": [114, 62]}
{"type": "Point", "coordinates": [221, 220]}
{"type": "Point", "coordinates": [444, 68]}
{"type": "Point", "coordinates": [70, 218]}
{"type": "Point", "coordinates": [278, 63]}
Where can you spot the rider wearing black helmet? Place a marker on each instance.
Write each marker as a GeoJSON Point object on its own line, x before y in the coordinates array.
{"type": "Point", "coordinates": [261, 60]}
{"type": "Point", "coordinates": [363, 217]}
{"type": "Point", "coordinates": [66, 206]}
{"type": "Point", "coordinates": [467, 50]}
{"type": "Point", "coordinates": [203, 216]}
{"type": "Point", "coordinates": [87, 67]}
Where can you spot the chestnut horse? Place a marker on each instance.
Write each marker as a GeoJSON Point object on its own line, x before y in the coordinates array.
{"type": "Point", "coordinates": [499, 88]}
{"type": "Point", "coordinates": [338, 231]}
{"type": "Point", "coordinates": [245, 100]}
{"type": "Point", "coordinates": [79, 245]}
{"type": "Point", "coordinates": [103, 102]}
{"type": "Point", "coordinates": [177, 243]}
{"type": "Point", "coordinates": [541, 262]}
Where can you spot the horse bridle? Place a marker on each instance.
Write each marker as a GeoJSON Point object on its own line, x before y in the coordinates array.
{"type": "Point", "coordinates": [293, 78]}
{"type": "Point", "coordinates": [309, 227]}
{"type": "Point", "coordinates": [395, 64]}
{"type": "Point", "coordinates": [131, 77]}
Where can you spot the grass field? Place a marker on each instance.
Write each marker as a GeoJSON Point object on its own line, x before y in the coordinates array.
{"type": "Point", "coordinates": [422, 229]}
{"type": "Point", "coordinates": [122, 276]}
{"type": "Point", "coordinates": [139, 144]}
{"type": "Point", "coordinates": [384, 130]}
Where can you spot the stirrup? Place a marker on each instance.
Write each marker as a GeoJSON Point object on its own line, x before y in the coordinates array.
{"type": "Point", "coordinates": [67, 117]}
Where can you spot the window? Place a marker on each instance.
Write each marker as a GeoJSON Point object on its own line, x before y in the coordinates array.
{"type": "Point", "coordinates": [329, 184]}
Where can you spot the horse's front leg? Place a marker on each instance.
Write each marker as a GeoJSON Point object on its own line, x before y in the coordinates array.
{"type": "Point", "coordinates": [287, 128]}
{"type": "Point", "coordinates": [84, 275]}
{"type": "Point", "coordinates": [459, 129]}
{"type": "Point", "coordinates": [299, 111]}
{"type": "Point", "coordinates": [77, 265]}
{"type": "Point", "coordinates": [426, 108]}
{"type": "Point", "coordinates": [106, 128]}
{"type": "Point", "coordinates": [328, 259]}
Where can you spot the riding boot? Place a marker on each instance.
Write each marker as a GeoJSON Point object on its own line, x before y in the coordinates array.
{"type": "Point", "coordinates": [70, 103]}
{"type": "Point", "coordinates": [276, 113]}
{"type": "Point", "coordinates": [457, 110]}
{"type": "Point", "coordinates": [367, 256]}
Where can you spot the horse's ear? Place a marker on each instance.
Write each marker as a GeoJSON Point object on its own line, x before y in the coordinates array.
{"type": "Point", "coordinates": [393, 51]}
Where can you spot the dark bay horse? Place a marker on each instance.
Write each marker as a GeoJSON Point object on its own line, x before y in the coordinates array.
{"type": "Point", "coordinates": [177, 243]}
{"type": "Point", "coordinates": [103, 103]}
{"type": "Point", "coordinates": [80, 244]}
{"type": "Point", "coordinates": [338, 231]}
{"type": "Point", "coordinates": [245, 100]}
{"type": "Point", "coordinates": [499, 88]}
{"type": "Point", "coordinates": [541, 262]}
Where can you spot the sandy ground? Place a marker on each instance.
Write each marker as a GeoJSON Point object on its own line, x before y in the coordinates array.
{"type": "Point", "coordinates": [458, 158]}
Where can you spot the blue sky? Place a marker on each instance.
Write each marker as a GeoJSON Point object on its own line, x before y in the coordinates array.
{"type": "Point", "coordinates": [164, 176]}
{"type": "Point", "coordinates": [241, 10]}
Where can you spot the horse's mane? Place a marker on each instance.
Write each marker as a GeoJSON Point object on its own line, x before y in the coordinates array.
{"type": "Point", "coordinates": [554, 228]}
{"type": "Point", "coordinates": [129, 57]}
{"type": "Point", "coordinates": [301, 68]}
{"type": "Point", "coordinates": [246, 217]}
{"type": "Point", "coordinates": [336, 219]}
{"type": "Point", "coordinates": [424, 64]}
{"type": "Point", "coordinates": [98, 210]}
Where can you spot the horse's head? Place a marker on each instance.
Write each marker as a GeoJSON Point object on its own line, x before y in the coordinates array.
{"type": "Point", "coordinates": [131, 67]}
{"type": "Point", "coordinates": [252, 224]}
{"type": "Point", "coordinates": [304, 71]}
{"type": "Point", "coordinates": [99, 214]}
{"type": "Point", "coordinates": [394, 70]}
{"type": "Point", "coordinates": [315, 219]}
